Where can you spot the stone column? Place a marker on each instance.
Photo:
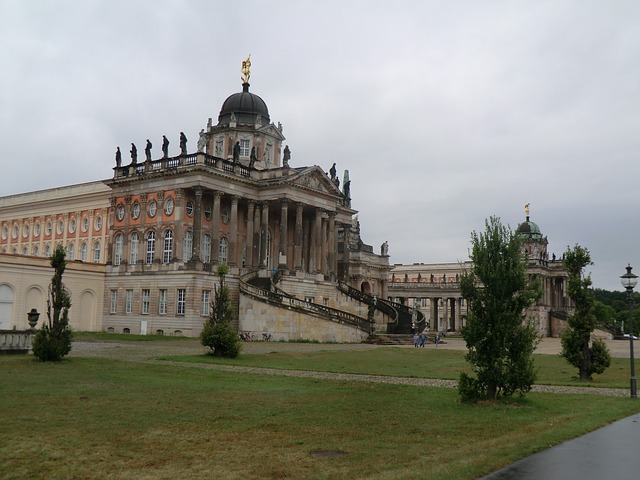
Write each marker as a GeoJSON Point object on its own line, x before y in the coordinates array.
{"type": "Point", "coordinates": [250, 212]}
{"type": "Point", "coordinates": [264, 229]}
{"type": "Point", "coordinates": [197, 224]}
{"type": "Point", "coordinates": [233, 232]}
{"type": "Point", "coordinates": [324, 250]}
{"type": "Point", "coordinates": [345, 252]}
{"type": "Point", "coordinates": [215, 229]}
{"type": "Point", "coordinates": [306, 245]}
{"type": "Point", "coordinates": [333, 245]}
{"type": "Point", "coordinates": [317, 242]}
{"type": "Point", "coordinates": [284, 219]}
{"type": "Point", "coordinates": [298, 240]}
{"type": "Point", "coordinates": [257, 228]}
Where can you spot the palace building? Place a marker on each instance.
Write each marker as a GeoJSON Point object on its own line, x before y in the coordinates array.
{"type": "Point", "coordinates": [143, 246]}
{"type": "Point", "coordinates": [435, 288]}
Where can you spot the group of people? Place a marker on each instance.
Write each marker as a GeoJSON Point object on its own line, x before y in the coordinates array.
{"type": "Point", "coordinates": [420, 339]}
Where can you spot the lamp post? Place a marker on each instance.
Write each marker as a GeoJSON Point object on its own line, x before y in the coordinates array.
{"type": "Point", "coordinates": [629, 281]}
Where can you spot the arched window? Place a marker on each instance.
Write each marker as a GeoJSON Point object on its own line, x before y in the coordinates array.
{"type": "Point", "coordinates": [83, 252]}
{"type": "Point", "coordinates": [117, 254]}
{"type": "Point", "coordinates": [25, 251]}
{"type": "Point", "coordinates": [188, 246]}
{"type": "Point", "coordinates": [47, 251]}
{"type": "Point", "coordinates": [96, 252]}
{"type": "Point", "coordinates": [168, 246]}
{"type": "Point", "coordinates": [224, 248]}
{"type": "Point", "coordinates": [206, 249]}
{"type": "Point", "coordinates": [71, 251]}
{"type": "Point", "coordinates": [133, 248]}
{"type": "Point", "coordinates": [151, 245]}
{"type": "Point", "coordinates": [36, 251]}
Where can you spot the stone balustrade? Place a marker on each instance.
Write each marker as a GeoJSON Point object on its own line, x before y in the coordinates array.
{"type": "Point", "coordinates": [16, 341]}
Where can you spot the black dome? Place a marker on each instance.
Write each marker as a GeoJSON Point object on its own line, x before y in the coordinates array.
{"type": "Point", "coordinates": [246, 106]}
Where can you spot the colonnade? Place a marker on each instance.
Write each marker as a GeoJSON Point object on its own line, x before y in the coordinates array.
{"type": "Point", "coordinates": [297, 237]}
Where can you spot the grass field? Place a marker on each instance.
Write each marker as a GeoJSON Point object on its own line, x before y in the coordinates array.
{"type": "Point", "coordinates": [104, 418]}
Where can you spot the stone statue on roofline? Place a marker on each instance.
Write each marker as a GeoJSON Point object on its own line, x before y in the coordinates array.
{"type": "Point", "coordinates": [183, 144]}
{"type": "Point", "coordinates": [134, 154]}
{"type": "Point", "coordinates": [202, 141]}
{"type": "Point", "coordinates": [147, 150]}
{"type": "Point", "coordinates": [118, 157]}
{"type": "Point", "coordinates": [165, 146]}
{"type": "Point", "coordinates": [286, 156]}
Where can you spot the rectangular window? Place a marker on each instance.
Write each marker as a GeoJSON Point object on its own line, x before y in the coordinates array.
{"type": "Point", "coordinates": [162, 302]}
{"type": "Point", "coordinates": [244, 148]}
{"type": "Point", "coordinates": [129, 303]}
{"type": "Point", "coordinates": [205, 301]}
{"type": "Point", "coordinates": [114, 302]}
{"type": "Point", "coordinates": [182, 301]}
{"type": "Point", "coordinates": [146, 296]}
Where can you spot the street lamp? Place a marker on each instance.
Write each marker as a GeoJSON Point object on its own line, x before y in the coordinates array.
{"type": "Point", "coordinates": [629, 281]}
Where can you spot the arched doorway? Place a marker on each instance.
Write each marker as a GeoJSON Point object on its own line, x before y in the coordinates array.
{"type": "Point", "coordinates": [365, 287]}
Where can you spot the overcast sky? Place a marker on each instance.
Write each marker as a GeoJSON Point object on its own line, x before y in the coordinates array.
{"type": "Point", "coordinates": [444, 112]}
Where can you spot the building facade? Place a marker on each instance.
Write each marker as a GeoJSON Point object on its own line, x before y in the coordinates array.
{"type": "Point", "coordinates": [435, 288]}
{"type": "Point", "coordinates": [154, 234]}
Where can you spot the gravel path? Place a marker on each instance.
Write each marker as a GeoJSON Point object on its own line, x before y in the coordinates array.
{"type": "Point", "coordinates": [144, 352]}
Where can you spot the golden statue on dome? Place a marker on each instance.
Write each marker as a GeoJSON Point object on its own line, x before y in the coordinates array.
{"type": "Point", "coordinates": [246, 69]}
{"type": "Point", "coordinates": [526, 209]}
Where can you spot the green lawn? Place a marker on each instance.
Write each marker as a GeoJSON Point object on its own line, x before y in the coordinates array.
{"type": "Point", "coordinates": [100, 418]}
{"type": "Point", "coordinates": [410, 362]}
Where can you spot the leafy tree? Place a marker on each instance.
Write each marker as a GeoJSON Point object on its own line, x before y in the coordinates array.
{"type": "Point", "coordinates": [218, 334]}
{"type": "Point", "coordinates": [53, 340]}
{"type": "Point", "coordinates": [497, 291]}
{"type": "Point", "coordinates": [587, 355]}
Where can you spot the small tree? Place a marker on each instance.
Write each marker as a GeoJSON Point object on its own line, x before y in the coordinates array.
{"type": "Point", "coordinates": [587, 355]}
{"type": "Point", "coordinates": [53, 340]}
{"type": "Point", "coordinates": [497, 291]}
{"type": "Point", "coordinates": [218, 334]}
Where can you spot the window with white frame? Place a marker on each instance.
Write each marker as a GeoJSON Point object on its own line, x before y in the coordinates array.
{"type": "Point", "coordinates": [224, 248]}
{"type": "Point", "coordinates": [181, 301]}
{"type": "Point", "coordinates": [162, 302]}
{"type": "Point", "coordinates": [146, 301]}
{"type": "Point", "coordinates": [168, 247]}
{"type": "Point", "coordinates": [128, 306]}
{"type": "Point", "coordinates": [206, 249]}
{"type": "Point", "coordinates": [114, 302]}
{"type": "Point", "coordinates": [244, 148]}
{"type": "Point", "coordinates": [71, 251]}
{"type": "Point", "coordinates": [205, 301]}
{"type": "Point", "coordinates": [36, 251]}
{"type": "Point", "coordinates": [117, 254]}
{"type": "Point", "coordinates": [151, 246]}
{"type": "Point", "coordinates": [96, 252]}
{"type": "Point", "coordinates": [83, 252]}
{"type": "Point", "coordinates": [133, 248]}
{"type": "Point", "coordinates": [188, 246]}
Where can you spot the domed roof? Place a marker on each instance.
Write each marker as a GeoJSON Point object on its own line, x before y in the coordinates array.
{"type": "Point", "coordinates": [245, 106]}
{"type": "Point", "coordinates": [529, 230]}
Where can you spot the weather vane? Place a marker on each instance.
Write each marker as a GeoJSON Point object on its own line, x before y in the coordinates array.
{"type": "Point", "coordinates": [526, 209]}
{"type": "Point", "coordinates": [246, 69]}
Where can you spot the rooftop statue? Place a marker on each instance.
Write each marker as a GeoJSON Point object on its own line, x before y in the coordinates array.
{"type": "Point", "coordinates": [286, 157]}
{"type": "Point", "coordinates": [118, 157]}
{"type": "Point", "coordinates": [183, 144]}
{"type": "Point", "coordinates": [165, 146]}
{"type": "Point", "coordinates": [526, 209]}
{"type": "Point", "coordinates": [134, 154]}
{"type": "Point", "coordinates": [147, 150]}
{"type": "Point", "coordinates": [246, 69]}
{"type": "Point", "coordinates": [202, 141]}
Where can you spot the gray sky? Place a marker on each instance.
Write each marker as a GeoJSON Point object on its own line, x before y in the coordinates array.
{"type": "Point", "coordinates": [444, 112]}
